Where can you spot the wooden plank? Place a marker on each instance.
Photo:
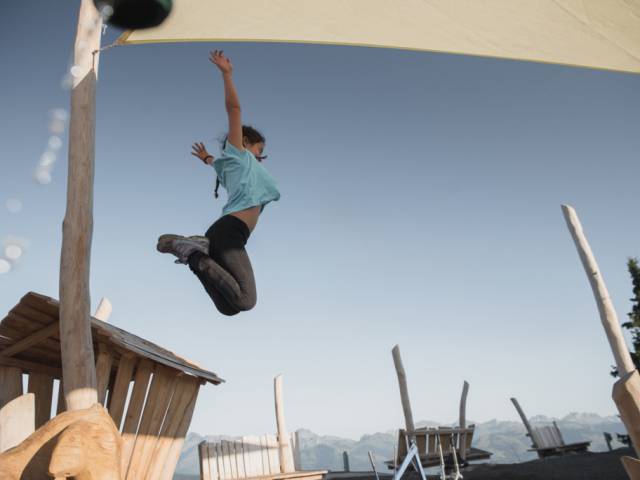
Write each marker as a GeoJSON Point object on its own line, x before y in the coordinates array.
{"type": "Point", "coordinates": [264, 455]}
{"type": "Point", "coordinates": [205, 461]}
{"type": "Point", "coordinates": [186, 392]}
{"type": "Point", "coordinates": [10, 384]}
{"type": "Point", "coordinates": [421, 443]}
{"type": "Point", "coordinates": [60, 404]}
{"type": "Point", "coordinates": [240, 458]}
{"type": "Point", "coordinates": [274, 460]}
{"type": "Point", "coordinates": [221, 464]}
{"type": "Point", "coordinates": [432, 448]}
{"type": "Point", "coordinates": [103, 371]}
{"type": "Point", "coordinates": [17, 421]}
{"type": "Point", "coordinates": [42, 388]}
{"type": "Point", "coordinates": [213, 462]}
{"type": "Point", "coordinates": [523, 417]}
{"type": "Point", "coordinates": [103, 312]}
{"type": "Point", "coordinates": [229, 459]}
{"type": "Point", "coordinates": [30, 340]}
{"type": "Point", "coordinates": [160, 393]}
{"type": "Point", "coordinates": [249, 449]}
{"type": "Point", "coordinates": [118, 395]}
{"type": "Point", "coordinates": [134, 412]}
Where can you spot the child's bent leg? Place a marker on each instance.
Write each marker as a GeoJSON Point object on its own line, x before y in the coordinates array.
{"type": "Point", "coordinates": [232, 278]}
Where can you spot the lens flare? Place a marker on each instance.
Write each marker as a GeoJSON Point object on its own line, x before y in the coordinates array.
{"type": "Point", "coordinates": [5, 267]}
{"type": "Point", "coordinates": [55, 142]}
{"type": "Point", "coordinates": [47, 159]}
{"type": "Point", "coordinates": [14, 205]}
{"type": "Point", "coordinates": [13, 252]}
{"type": "Point", "coordinates": [42, 176]}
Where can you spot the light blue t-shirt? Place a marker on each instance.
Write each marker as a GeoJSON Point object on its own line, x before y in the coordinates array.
{"type": "Point", "coordinates": [247, 182]}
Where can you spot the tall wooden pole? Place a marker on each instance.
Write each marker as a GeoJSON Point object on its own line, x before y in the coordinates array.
{"type": "Point", "coordinates": [607, 312]}
{"type": "Point", "coordinates": [284, 448]}
{"type": "Point", "coordinates": [78, 367]}
{"type": "Point", "coordinates": [626, 391]}
{"type": "Point", "coordinates": [462, 447]}
{"type": "Point", "coordinates": [404, 390]}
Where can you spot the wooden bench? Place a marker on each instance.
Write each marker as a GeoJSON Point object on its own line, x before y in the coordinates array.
{"type": "Point", "coordinates": [251, 457]}
{"type": "Point", "coordinates": [450, 438]}
{"type": "Point", "coordinates": [547, 439]}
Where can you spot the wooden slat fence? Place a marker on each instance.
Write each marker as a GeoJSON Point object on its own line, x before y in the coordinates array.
{"type": "Point", "coordinates": [251, 456]}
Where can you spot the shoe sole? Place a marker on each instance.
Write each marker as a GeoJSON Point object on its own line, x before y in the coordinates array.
{"type": "Point", "coordinates": [165, 242]}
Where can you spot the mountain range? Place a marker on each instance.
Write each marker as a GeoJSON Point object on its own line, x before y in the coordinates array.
{"type": "Point", "coordinates": [505, 439]}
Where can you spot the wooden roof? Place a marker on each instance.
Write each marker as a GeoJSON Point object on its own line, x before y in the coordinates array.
{"type": "Point", "coordinates": [30, 339]}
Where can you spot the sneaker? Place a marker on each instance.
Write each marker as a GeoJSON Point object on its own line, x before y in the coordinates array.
{"type": "Point", "coordinates": [181, 246]}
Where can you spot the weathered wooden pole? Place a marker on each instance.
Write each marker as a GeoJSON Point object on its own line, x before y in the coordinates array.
{"type": "Point", "coordinates": [525, 421]}
{"type": "Point", "coordinates": [626, 391]}
{"type": "Point", "coordinates": [404, 390]}
{"type": "Point", "coordinates": [78, 365]}
{"type": "Point", "coordinates": [462, 447]}
{"type": "Point", "coordinates": [284, 448]}
{"type": "Point", "coordinates": [345, 461]}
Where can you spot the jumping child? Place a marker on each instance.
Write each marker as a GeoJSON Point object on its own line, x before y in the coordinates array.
{"type": "Point", "coordinates": [219, 259]}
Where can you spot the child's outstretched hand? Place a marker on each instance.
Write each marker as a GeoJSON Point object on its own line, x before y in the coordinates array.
{"type": "Point", "coordinates": [223, 63]}
{"type": "Point", "coordinates": [199, 151]}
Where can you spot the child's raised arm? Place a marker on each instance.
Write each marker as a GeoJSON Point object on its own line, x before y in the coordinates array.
{"type": "Point", "coordinates": [231, 101]}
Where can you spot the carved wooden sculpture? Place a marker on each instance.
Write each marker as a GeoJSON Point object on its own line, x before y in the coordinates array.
{"type": "Point", "coordinates": [83, 444]}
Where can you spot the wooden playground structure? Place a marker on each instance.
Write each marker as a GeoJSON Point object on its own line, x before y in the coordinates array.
{"type": "Point", "coordinates": [147, 394]}
{"type": "Point", "coordinates": [265, 457]}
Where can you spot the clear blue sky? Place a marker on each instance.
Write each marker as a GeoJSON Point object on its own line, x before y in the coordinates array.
{"type": "Point", "coordinates": [420, 205]}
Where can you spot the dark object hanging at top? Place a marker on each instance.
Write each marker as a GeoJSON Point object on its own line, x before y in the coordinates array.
{"type": "Point", "coordinates": [134, 14]}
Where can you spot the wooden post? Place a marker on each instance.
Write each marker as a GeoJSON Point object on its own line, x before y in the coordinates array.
{"type": "Point", "coordinates": [78, 364]}
{"type": "Point", "coordinates": [345, 461]}
{"type": "Point", "coordinates": [626, 391]}
{"type": "Point", "coordinates": [284, 449]}
{"type": "Point", "coordinates": [523, 417]}
{"type": "Point", "coordinates": [404, 391]}
{"type": "Point", "coordinates": [462, 447]}
{"type": "Point", "coordinates": [608, 314]}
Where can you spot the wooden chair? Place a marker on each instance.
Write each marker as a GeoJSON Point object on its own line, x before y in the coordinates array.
{"type": "Point", "coordinates": [547, 440]}
{"type": "Point", "coordinates": [450, 438]}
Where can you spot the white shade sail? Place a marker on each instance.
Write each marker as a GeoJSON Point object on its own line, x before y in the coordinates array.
{"type": "Point", "coordinates": [601, 34]}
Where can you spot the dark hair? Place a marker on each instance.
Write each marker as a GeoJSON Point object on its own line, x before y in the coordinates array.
{"type": "Point", "coordinates": [251, 134]}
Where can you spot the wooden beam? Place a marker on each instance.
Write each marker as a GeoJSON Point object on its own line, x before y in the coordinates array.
{"type": "Point", "coordinates": [284, 448]}
{"type": "Point", "coordinates": [23, 365]}
{"type": "Point", "coordinates": [608, 315]}
{"type": "Point", "coordinates": [103, 372]}
{"type": "Point", "coordinates": [30, 340]}
{"type": "Point", "coordinates": [78, 363]}
{"type": "Point", "coordinates": [118, 395]}
{"type": "Point", "coordinates": [41, 386]}
{"type": "Point", "coordinates": [10, 383]}
{"type": "Point", "coordinates": [404, 390]}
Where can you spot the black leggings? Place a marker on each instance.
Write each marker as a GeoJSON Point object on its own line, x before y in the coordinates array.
{"type": "Point", "coordinates": [226, 272]}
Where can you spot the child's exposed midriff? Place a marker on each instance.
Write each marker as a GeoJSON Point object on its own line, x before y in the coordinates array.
{"type": "Point", "coordinates": [248, 216]}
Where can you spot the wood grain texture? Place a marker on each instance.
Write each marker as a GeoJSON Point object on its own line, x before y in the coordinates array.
{"type": "Point", "coordinates": [160, 393]}
{"type": "Point", "coordinates": [134, 411]}
{"type": "Point", "coordinates": [41, 386]}
{"type": "Point", "coordinates": [118, 394]}
{"type": "Point", "coordinates": [104, 362]}
{"type": "Point", "coordinates": [10, 383]}
{"type": "Point", "coordinates": [17, 421]}
{"type": "Point", "coordinates": [78, 362]}
{"type": "Point", "coordinates": [404, 389]}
